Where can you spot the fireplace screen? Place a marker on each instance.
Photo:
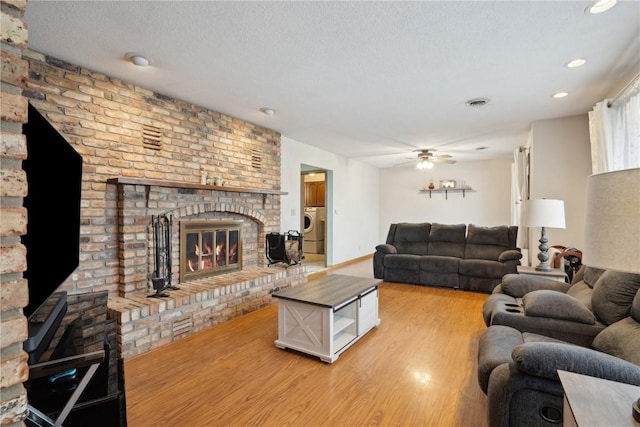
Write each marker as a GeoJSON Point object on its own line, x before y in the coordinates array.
{"type": "Point", "coordinates": [209, 247]}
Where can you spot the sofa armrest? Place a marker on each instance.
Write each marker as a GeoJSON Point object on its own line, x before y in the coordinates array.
{"type": "Point", "coordinates": [518, 285]}
{"type": "Point", "coordinates": [556, 305]}
{"type": "Point", "coordinates": [510, 255]}
{"type": "Point", "coordinates": [544, 359]}
{"type": "Point", "coordinates": [386, 248]}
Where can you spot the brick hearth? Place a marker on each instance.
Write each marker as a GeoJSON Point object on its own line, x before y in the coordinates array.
{"type": "Point", "coordinates": [147, 323]}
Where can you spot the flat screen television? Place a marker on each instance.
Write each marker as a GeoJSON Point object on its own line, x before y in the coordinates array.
{"type": "Point", "coordinates": [54, 177]}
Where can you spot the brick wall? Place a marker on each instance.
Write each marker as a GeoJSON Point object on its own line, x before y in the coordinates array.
{"type": "Point", "coordinates": [108, 122]}
{"type": "Point", "coordinates": [13, 217]}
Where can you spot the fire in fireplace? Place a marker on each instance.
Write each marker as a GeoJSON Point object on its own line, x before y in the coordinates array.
{"type": "Point", "coordinates": [209, 247]}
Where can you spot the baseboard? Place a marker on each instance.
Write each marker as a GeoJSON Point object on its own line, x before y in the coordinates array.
{"type": "Point", "coordinates": [323, 273]}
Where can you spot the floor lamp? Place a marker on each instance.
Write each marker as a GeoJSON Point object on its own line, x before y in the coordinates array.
{"type": "Point", "coordinates": [544, 213]}
{"type": "Point", "coordinates": [612, 226]}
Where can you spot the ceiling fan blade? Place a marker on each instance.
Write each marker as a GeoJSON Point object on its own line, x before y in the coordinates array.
{"type": "Point", "coordinates": [404, 163]}
{"type": "Point", "coordinates": [443, 156]}
{"type": "Point", "coordinates": [442, 160]}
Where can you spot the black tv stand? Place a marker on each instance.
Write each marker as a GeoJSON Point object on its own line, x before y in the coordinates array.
{"type": "Point", "coordinates": [43, 324]}
{"type": "Point", "coordinates": [92, 360]}
{"type": "Point", "coordinates": [75, 376]}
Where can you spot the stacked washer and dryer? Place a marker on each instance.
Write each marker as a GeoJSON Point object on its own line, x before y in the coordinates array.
{"type": "Point", "coordinates": [314, 223]}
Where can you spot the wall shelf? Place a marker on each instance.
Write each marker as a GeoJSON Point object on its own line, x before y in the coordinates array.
{"type": "Point", "coordinates": [446, 191]}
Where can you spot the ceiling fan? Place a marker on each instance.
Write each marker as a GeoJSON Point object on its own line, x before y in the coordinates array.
{"type": "Point", "coordinates": [426, 159]}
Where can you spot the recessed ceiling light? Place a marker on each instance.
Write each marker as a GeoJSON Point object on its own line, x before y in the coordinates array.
{"type": "Point", "coordinates": [578, 62]}
{"type": "Point", "coordinates": [600, 6]}
{"type": "Point", "coordinates": [560, 95]}
{"type": "Point", "coordinates": [481, 148]}
{"type": "Point", "coordinates": [477, 102]}
{"type": "Point", "coordinates": [267, 111]}
{"type": "Point", "coordinates": [136, 59]}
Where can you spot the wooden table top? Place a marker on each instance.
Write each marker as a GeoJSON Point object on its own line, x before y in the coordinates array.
{"type": "Point", "coordinates": [596, 402]}
{"type": "Point", "coordinates": [331, 291]}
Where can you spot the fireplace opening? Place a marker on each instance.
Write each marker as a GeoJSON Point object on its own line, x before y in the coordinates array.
{"type": "Point", "coordinates": [209, 247]}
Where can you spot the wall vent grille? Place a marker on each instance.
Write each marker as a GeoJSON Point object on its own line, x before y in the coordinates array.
{"type": "Point", "coordinates": [256, 159]}
{"type": "Point", "coordinates": [151, 137]}
{"type": "Point", "coordinates": [182, 327]}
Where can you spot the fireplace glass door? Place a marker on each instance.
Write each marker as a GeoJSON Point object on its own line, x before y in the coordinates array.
{"type": "Point", "coordinates": [209, 247]}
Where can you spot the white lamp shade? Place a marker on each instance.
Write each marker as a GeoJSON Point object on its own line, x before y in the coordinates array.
{"type": "Point", "coordinates": [548, 213]}
{"type": "Point", "coordinates": [612, 224]}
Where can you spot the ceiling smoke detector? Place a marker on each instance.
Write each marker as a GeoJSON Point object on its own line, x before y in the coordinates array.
{"type": "Point", "coordinates": [477, 102]}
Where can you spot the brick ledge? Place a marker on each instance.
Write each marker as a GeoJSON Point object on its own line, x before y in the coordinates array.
{"type": "Point", "coordinates": [147, 323]}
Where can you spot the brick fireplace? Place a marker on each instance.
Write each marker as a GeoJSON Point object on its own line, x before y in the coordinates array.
{"type": "Point", "coordinates": [202, 300]}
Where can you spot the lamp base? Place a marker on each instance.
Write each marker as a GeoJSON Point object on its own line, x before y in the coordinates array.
{"type": "Point", "coordinates": [543, 267]}
{"type": "Point", "coordinates": [636, 410]}
{"type": "Point", "coordinates": [543, 256]}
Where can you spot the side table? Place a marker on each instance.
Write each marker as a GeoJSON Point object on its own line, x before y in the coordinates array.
{"type": "Point", "coordinates": [555, 274]}
{"type": "Point", "coordinates": [593, 402]}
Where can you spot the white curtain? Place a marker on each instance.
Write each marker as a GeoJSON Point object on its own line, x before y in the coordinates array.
{"type": "Point", "coordinates": [519, 191]}
{"type": "Point", "coordinates": [615, 131]}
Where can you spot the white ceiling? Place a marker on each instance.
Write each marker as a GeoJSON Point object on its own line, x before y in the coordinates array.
{"type": "Point", "coordinates": [367, 80]}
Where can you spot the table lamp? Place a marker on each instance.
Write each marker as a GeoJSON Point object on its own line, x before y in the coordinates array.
{"type": "Point", "coordinates": [612, 226]}
{"type": "Point", "coordinates": [544, 213]}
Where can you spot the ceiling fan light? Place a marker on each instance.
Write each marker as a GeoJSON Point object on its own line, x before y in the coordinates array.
{"type": "Point", "coordinates": [424, 164]}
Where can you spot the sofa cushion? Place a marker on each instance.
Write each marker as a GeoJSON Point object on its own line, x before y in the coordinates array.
{"type": "Point", "coordinates": [486, 242]}
{"type": "Point", "coordinates": [613, 295]}
{"type": "Point", "coordinates": [439, 264]}
{"type": "Point", "coordinates": [402, 262]}
{"type": "Point", "coordinates": [556, 305]}
{"type": "Point", "coordinates": [447, 240]}
{"type": "Point", "coordinates": [497, 236]}
{"type": "Point", "coordinates": [620, 339]}
{"type": "Point", "coordinates": [412, 238]}
{"type": "Point", "coordinates": [482, 268]}
{"type": "Point", "coordinates": [582, 292]}
{"type": "Point", "coordinates": [590, 275]}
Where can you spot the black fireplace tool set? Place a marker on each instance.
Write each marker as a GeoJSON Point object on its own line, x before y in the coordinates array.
{"type": "Point", "coordinates": [161, 276]}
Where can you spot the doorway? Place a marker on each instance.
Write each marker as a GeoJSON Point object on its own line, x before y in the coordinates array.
{"type": "Point", "coordinates": [314, 218]}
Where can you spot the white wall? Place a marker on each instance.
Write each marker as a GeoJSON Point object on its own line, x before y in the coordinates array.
{"type": "Point", "coordinates": [362, 201]}
{"type": "Point", "coordinates": [352, 199]}
{"type": "Point", "coordinates": [560, 165]}
{"type": "Point", "coordinates": [488, 205]}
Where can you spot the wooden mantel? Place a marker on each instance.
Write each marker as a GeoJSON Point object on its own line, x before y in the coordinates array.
{"type": "Point", "coordinates": [175, 184]}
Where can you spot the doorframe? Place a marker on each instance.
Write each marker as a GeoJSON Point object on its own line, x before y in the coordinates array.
{"type": "Point", "coordinates": [328, 203]}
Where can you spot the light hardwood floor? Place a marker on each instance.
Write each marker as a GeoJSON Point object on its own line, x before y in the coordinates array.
{"type": "Point", "coordinates": [417, 368]}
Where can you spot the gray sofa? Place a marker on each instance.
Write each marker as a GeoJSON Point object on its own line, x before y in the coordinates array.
{"type": "Point", "coordinates": [517, 368]}
{"type": "Point", "coordinates": [472, 258]}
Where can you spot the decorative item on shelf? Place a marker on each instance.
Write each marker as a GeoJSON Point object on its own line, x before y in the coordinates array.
{"type": "Point", "coordinates": [218, 182]}
{"type": "Point", "coordinates": [544, 213]}
{"type": "Point", "coordinates": [431, 185]}
{"type": "Point", "coordinates": [203, 176]}
{"type": "Point", "coordinates": [447, 184]}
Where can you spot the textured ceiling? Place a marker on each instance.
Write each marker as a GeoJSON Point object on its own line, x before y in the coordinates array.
{"type": "Point", "coordinates": [367, 80]}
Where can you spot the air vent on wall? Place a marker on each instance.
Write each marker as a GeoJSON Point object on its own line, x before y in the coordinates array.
{"type": "Point", "coordinates": [151, 137]}
{"type": "Point", "coordinates": [256, 159]}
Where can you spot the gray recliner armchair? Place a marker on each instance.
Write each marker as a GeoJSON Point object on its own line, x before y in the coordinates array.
{"type": "Point", "coordinates": [517, 369]}
{"type": "Point", "coordinates": [574, 313]}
